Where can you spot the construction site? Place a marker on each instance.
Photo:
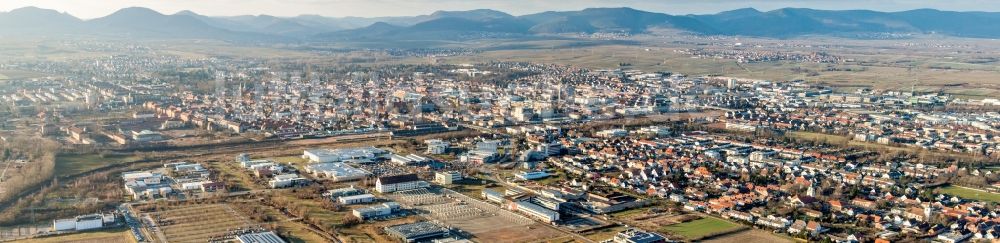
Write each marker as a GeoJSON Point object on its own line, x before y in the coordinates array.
{"type": "Point", "coordinates": [197, 223]}
{"type": "Point", "coordinates": [474, 218]}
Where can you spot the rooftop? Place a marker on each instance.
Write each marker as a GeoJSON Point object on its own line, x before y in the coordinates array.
{"type": "Point", "coordinates": [416, 230]}
{"type": "Point", "coordinates": [398, 179]}
{"type": "Point", "coordinates": [262, 237]}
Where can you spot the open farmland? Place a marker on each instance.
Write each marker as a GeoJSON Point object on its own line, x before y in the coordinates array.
{"type": "Point", "coordinates": [872, 65]}
{"type": "Point", "coordinates": [198, 223]}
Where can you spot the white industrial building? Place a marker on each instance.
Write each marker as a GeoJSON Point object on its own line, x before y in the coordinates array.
{"type": "Point", "coordinates": [356, 199]}
{"type": "Point", "coordinates": [336, 171]}
{"type": "Point", "coordinates": [536, 211]}
{"type": "Point", "coordinates": [340, 192]}
{"type": "Point", "coordinates": [492, 196]}
{"type": "Point", "coordinates": [260, 237]}
{"type": "Point", "coordinates": [436, 146]}
{"type": "Point", "coordinates": [447, 177]}
{"type": "Point", "coordinates": [405, 182]}
{"type": "Point", "coordinates": [287, 180]}
{"type": "Point", "coordinates": [145, 184]}
{"type": "Point", "coordinates": [531, 175]}
{"type": "Point", "coordinates": [384, 209]}
{"type": "Point", "coordinates": [83, 222]}
{"type": "Point", "coordinates": [356, 155]}
{"type": "Point", "coordinates": [408, 160]}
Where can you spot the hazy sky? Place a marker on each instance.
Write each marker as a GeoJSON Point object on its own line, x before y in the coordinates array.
{"type": "Point", "coordinates": [371, 8]}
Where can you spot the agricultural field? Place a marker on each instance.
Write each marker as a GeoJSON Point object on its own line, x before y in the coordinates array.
{"type": "Point", "coordinates": [198, 223]}
{"type": "Point", "coordinates": [78, 163]}
{"type": "Point", "coordinates": [701, 228]}
{"type": "Point", "coordinates": [121, 235]}
{"type": "Point", "coordinates": [871, 65]}
{"type": "Point", "coordinates": [968, 193]}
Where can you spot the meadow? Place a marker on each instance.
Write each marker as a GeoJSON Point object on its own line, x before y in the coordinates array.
{"type": "Point", "coordinates": [971, 194]}
{"type": "Point", "coordinates": [701, 228]}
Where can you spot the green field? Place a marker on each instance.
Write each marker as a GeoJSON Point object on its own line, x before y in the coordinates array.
{"type": "Point", "coordinates": [295, 159]}
{"type": "Point", "coordinates": [118, 235]}
{"type": "Point", "coordinates": [604, 234]}
{"type": "Point", "coordinates": [700, 228]}
{"type": "Point", "coordinates": [77, 163]}
{"type": "Point", "coordinates": [970, 194]}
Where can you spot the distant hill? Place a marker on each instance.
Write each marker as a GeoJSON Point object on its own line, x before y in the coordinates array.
{"type": "Point", "coordinates": [37, 21]}
{"type": "Point", "coordinates": [611, 20]}
{"type": "Point", "coordinates": [485, 23]}
{"type": "Point", "coordinates": [146, 23]}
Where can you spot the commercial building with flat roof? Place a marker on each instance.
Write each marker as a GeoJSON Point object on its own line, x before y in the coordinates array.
{"type": "Point", "coordinates": [531, 175]}
{"type": "Point", "coordinates": [419, 231]}
{"type": "Point", "coordinates": [399, 183]}
{"type": "Point", "coordinates": [358, 155]}
{"type": "Point", "coordinates": [261, 237]}
{"type": "Point", "coordinates": [633, 235]}
{"type": "Point", "coordinates": [383, 209]}
{"type": "Point", "coordinates": [341, 192]}
{"type": "Point", "coordinates": [356, 199]}
{"type": "Point", "coordinates": [447, 177]}
{"type": "Point", "coordinates": [336, 171]}
{"type": "Point", "coordinates": [536, 211]}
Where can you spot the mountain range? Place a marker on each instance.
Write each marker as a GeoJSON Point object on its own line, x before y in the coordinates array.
{"type": "Point", "coordinates": [139, 22]}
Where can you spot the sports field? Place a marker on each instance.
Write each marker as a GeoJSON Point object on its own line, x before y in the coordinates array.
{"type": "Point", "coordinates": [971, 194]}
{"type": "Point", "coordinates": [700, 228]}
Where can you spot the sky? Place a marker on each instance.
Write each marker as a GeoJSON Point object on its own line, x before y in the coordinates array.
{"type": "Point", "coordinates": [88, 9]}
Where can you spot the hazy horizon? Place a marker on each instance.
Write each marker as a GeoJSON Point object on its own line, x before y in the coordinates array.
{"type": "Point", "coordinates": [387, 8]}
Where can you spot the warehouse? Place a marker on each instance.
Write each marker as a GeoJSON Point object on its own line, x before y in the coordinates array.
{"type": "Point", "coordinates": [82, 222]}
{"type": "Point", "coordinates": [356, 199]}
{"type": "Point", "coordinates": [447, 177]}
{"type": "Point", "coordinates": [382, 210]}
{"type": "Point", "coordinates": [399, 183]}
{"type": "Point", "coordinates": [261, 237]}
{"type": "Point", "coordinates": [532, 175]}
{"type": "Point", "coordinates": [536, 211]}
{"type": "Point", "coordinates": [411, 159]}
{"type": "Point", "coordinates": [492, 196]}
{"type": "Point", "coordinates": [356, 155]}
{"type": "Point", "coordinates": [336, 171]}
{"type": "Point", "coordinates": [420, 231]}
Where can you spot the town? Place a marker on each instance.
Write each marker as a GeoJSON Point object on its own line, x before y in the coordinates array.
{"type": "Point", "coordinates": [441, 121]}
{"type": "Point", "coordinates": [517, 151]}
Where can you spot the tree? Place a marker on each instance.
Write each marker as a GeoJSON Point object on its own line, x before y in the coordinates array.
{"type": "Point", "coordinates": [351, 220]}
